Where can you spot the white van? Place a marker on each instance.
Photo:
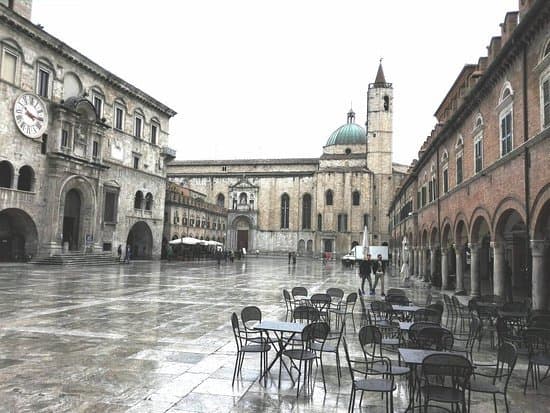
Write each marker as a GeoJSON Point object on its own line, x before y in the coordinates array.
{"type": "Point", "coordinates": [356, 254]}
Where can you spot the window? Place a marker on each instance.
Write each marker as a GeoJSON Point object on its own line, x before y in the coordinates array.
{"type": "Point", "coordinates": [319, 222]}
{"type": "Point", "coordinates": [506, 133]}
{"type": "Point", "coordinates": [154, 133]}
{"type": "Point", "coordinates": [386, 103]}
{"type": "Point", "coordinates": [25, 179]}
{"type": "Point", "coordinates": [6, 174]}
{"type": "Point", "coordinates": [149, 201]}
{"type": "Point", "coordinates": [424, 195]}
{"type": "Point", "coordinates": [98, 105]}
{"type": "Point", "coordinates": [445, 180]}
{"type": "Point", "coordinates": [95, 149]}
{"type": "Point", "coordinates": [243, 199]}
{"type": "Point", "coordinates": [220, 200]}
{"type": "Point", "coordinates": [119, 118]}
{"type": "Point", "coordinates": [342, 222]}
{"type": "Point", "coordinates": [110, 206]}
{"type": "Point", "coordinates": [366, 220]}
{"type": "Point", "coordinates": [430, 191]}
{"type": "Point", "coordinates": [355, 198]}
{"type": "Point", "coordinates": [138, 126]}
{"type": "Point", "coordinates": [328, 197]}
{"type": "Point", "coordinates": [285, 206]}
{"type": "Point", "coordinates": [44, 144]}
{"type": "Point", "coordinates": [138, 200]}
{"type": "Point", "coordinates": [546, 102]}
{"type": "Point", "coordinates": [306, 212]}
{"type": "Point", "coordinates": [65, 136]}
{"type": "Point", "coordinates": [43, 82]}
{"type": "Point", "coordinates": [434, 188]}
{"type": "Point", "coordinates": [9, 65]}
{"type": "Point", "coordinates": [459, 169]}
{"type": "Point", "coordinates": [478, 153]}
{"type": "Point", "coordinates": [136, 162]}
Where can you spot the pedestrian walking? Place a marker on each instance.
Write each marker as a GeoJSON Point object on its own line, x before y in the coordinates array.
{"type": "Point", "coordinates": [128, 254]}
{"type": "Point", "coordinates": [380, 273]}
{"type": "Point", "coordinates": [119, 252]}
{"type": "Point", "coordinates": [365, 271]}
{"type": "Point", "coordinates": [293, 258]}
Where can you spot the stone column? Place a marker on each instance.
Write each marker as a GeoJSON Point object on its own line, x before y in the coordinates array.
{"type": "Point", "coordinates": [418, 261]}
{"type": "Point", "coordinates": [540, 280]}
{"type": "Point", "coordinates": [14, 180]}
{"type": "Point", "coordinates": [423, 262]}
{"type": "Point", "coordinates": [444, 269]}
{"type": "Point", "coordinates": [474, 270]}
{"type": "Point", "coordinates": [498, 268]}
{"type": "Point", "coordinates": [459, 269]}
{"type": "Point", "coordinates": [432, 261]}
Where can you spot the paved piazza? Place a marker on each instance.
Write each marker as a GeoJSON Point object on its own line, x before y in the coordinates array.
{"type": "Point", "coordinates": [155, 337]}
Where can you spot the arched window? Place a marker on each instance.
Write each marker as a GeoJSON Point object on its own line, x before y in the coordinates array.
{"type": "Point", "coordinates": [355, 198]}
{"type": "Point", "coordinates": [319, 222]}
{"type": "Point", "coordinates": [459, 151]}
{"type": "Point", "coordinates": [149, 201]}
{"type": "Point", "coordinates": [505, 119]}
{"type": "Point", "coordinates": [328, 197]}
{"type": "Point", "coordinates": [306, 212]}
{"type": "Point", "coordinates": [285, 207]}
{"type": "Point", "coordinates": [243, 199]}
{"type": "Point", "coordinates": [6, 174]}
{"type": "Point", "coordinates": [26, 178]}
{"type": "Point", "coordinates": [386, 103]}
{"type": "Point", "coordinates": [220, 200]}
{"type": "Point", "coordinates": [138, 200]}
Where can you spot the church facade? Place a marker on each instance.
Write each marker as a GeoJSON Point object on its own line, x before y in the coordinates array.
{"type": "Point", "coordinates": [308, 205]}
{"type": "Point", "coordinates": [82, 151]}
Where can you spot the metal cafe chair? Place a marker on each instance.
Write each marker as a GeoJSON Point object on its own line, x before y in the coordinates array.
{"type": "Point", "coordinates": [538, 346]}
{"type": "Point", "coordinates": [321, 302]}
{"type": "Point", "coordinates": [427, 314]}
{"type": "Point", "coordinates": [336, 295]}
{"type": "Point", "coordinates": [344, 309]}
{"type": "Point", "coordinates": [331, 345]}
{"type": "Point", "coordinates": [243, 348]}
{"type": "Point", "coordinates": [497, 382]}
{"type": "Point", "coordinates": [251, 315]}
{"type": "Point", "coordinates": [366, 379]}
{"type": "Point", "coordinates": [395, 291]}
{"type": "Point", "coordinates": [435, 338]}
{"type": "Point", "coordinates": [313, 333]}
{"type": "Point", "coordinates": [299, 295]}
{"type": "Point", "coordinates": [445, 379]}
{"type": "Point", "coordinates": [414, 329]}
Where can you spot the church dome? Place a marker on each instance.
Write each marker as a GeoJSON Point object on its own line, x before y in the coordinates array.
{"type": "Point", "coordinates": [348, 134]}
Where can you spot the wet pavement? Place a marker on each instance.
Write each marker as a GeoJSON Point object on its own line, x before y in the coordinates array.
{"type": "Point", "coordinates": [156, 337]}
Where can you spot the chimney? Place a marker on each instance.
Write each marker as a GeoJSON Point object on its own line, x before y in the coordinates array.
{"type": "Point", "coordinates": [493, 49]}
{"type": "Point", "coordinates": [21, 7]}
{"type": "Point", "coordinates": [510, 23]}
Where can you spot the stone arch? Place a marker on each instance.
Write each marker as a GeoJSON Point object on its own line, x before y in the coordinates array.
{"type": "Point", "coordinates": [138, 200]}
{"type": "Point", "coordinates": [424, 236]}
{"type": "Point", "coordinates": [220, 200]}
{"type": "Point", "coordinates": [88, 205]}
{"type": "Point", "coordinates": [434, 236]}
{"type": "Point", "coordinates": [480, 225]}
{"type": "Point", "coordinates": [309, 246]}
{"type": "Point", "coordinates": [140, 240]}
{"type": "Point", "coordinates": [149, 201]}
{"type": "Point", "coordinates": [460, 230]}
{"type": "Point", "coordinates": [503, 208]}
{"type": "Point", "coordinates": [301, 246]}
{"type": "Point", "coordinates": [6, 174]}
{"type": "Point", "coordinates": [540, 205]}
{"type": "Point", "coordinates": [25, 181]}
{"type": "Point", "coordinates": [18, 235]}
{"type": "Point", "coordinates": [446, 232]}
{"type": "Point", "coordinates": [241, 227]}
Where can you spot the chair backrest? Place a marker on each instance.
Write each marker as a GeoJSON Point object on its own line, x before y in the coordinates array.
{"type": "Point", "coordinates": [351, 298]}
{"type": "Point", "coordinates": [336, 294]}
{"type": "Point", "coordinates": [351, 369]}
{"type": "Point", "coordinates": [299, 292]}
{"type": "Point", "coordinates": [236, 330]}
{"type": "Point", "coordinates": [537, 340]}
{"type": "Point", "coordinates": [251, 313]}
{"type": "Point", "coordinates": [435, 338]}
{"type": "Point", "coordinates": [427, 314]}
{"type": "Point", "coordinates": [397, 299]}
{"type": "Point", "coordinates": [506, 361]}
{"type": "Point", "coordinates": [305, 314]}
{"type": "Point", "coordinates": [317, 331]}
{"type": "Point", "coordinates": [396, 291]}
{"type": "Point", "coordinates": [370, 338]}
{"type": "Point", "coordinates": [288, 300]}
{"type": "Point", "coordinates": [436, 367]}
{"type": "Point", "coordinates": [320, 298]}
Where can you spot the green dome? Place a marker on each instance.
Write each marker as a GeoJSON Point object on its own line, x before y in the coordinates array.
{"type": "Point", "coordinates": [348, 134]}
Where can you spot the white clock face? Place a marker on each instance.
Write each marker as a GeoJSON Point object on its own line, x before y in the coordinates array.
{"type": "Point", "coordinates": [31, 116]}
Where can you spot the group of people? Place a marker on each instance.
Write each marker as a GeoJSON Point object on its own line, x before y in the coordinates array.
{"type": "Point", "coordinates": [370, 267]}
{"type": "Point", "coordinates": [127, 255]}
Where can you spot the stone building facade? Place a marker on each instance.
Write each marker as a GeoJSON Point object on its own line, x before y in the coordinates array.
{"type": "Point", "coordinates": [477, 200]}
{"type": "Point", "coordinates": [82, 152]}
{"type": "Point", "coordinates": [308, 205]}
{"type": "Point", "coordinates": [188, 214]}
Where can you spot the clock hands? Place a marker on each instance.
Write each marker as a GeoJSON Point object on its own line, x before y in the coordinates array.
{"type": "Point", "coordinates": [33, 117]}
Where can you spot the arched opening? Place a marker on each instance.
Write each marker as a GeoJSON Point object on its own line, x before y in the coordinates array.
{"type": "Point", "coordinates": [285, 210]}
{"type": "Point", "coordinates": [301, 246]}
{"type": "Point", "coordinates": [243, 199]}
{"type": "Point", "coordinates": [541, 258]}
{"type": "Point", "coordinates": [306, 212]}
{"type": "Point", "coordinates": [149, 201]}
{"type": "Point", "coordinates": [26, 178]}
{"type": "Point", "coordinates": [6, 174]}
{"type": "Point", "coordinates": [138, 200]}
{"type": "Point", "coordinates": [140, 240]}
{"type": "Point", "coordinates": [514, 280]}
{"type": "Point", "coordinates": [242, 227]}
{"type": "Point", "coordinates": [481, 239]}
{"type": "Point", "coordinates": [71, 220]}
{"type": "Point", "coordinates": [328, 197]}
{"type": "Point", "coordinates": [355, 198]}
{"type": "Point", "coordinates": [220, 200]}
{"type": "Point", "coordinates": [18, 235]}
{"type": "Point", "coordinates": [309, 246]}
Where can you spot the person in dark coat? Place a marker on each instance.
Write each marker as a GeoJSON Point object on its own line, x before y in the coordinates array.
{"type": "Point", "coordinates": [365, 270]}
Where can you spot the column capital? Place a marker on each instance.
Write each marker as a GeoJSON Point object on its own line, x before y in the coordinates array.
{"type": "Point", "coordinates": [497, 245]}
{"type": "Point", "coordinates": [537, 247]}
{"type": "Point", "coordinates": [474, 247]}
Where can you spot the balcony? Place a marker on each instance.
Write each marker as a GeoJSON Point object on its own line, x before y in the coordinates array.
{"type": "Point", "coordinates": [168, 153]}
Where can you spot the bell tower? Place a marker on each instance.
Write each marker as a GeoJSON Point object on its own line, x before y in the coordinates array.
{"type": "Point", "coordinates": [379, 153]}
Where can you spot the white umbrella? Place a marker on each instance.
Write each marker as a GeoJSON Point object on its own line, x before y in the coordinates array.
{"type": "Point", "coordinates": [185, 240]}
{"type": "Point", "coordinates": [365, 243]}
{"type": "Point", "coordinates": [212, 242]}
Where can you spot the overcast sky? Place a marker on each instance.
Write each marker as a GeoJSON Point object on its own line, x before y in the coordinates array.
{"type": "Point", "coordinates": [273, 79]}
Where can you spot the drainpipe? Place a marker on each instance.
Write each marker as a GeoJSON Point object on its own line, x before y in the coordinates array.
{"type": "Point", "coordinates": [526, 159]}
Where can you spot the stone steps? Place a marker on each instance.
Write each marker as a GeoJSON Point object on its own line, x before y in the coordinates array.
{"type": "Point", "coordinates": [77, 259]}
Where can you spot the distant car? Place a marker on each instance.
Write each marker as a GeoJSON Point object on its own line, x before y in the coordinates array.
{"type": "Point", "coordinates": [356, 254]}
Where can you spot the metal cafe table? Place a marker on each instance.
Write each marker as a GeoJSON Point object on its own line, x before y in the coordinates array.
{"type": "Point", "coordinates": [275, 331]}
{"type": "Point", "coordinates": [414, 357]}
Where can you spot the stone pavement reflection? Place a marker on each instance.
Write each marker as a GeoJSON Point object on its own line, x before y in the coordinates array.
{"type": "Point", "coordinates": [156, 337]}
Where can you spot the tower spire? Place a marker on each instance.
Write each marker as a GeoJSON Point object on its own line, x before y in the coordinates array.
{"type": "Point", "coordinates": [380, 78]}
{"type": "Point", "coordinates": [351, 116]}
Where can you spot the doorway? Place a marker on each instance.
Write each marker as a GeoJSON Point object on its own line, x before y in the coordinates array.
{"type": "Point", "coordinates": [242, 239]}
{"type": "Point", "coordinates": [71, 220]}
